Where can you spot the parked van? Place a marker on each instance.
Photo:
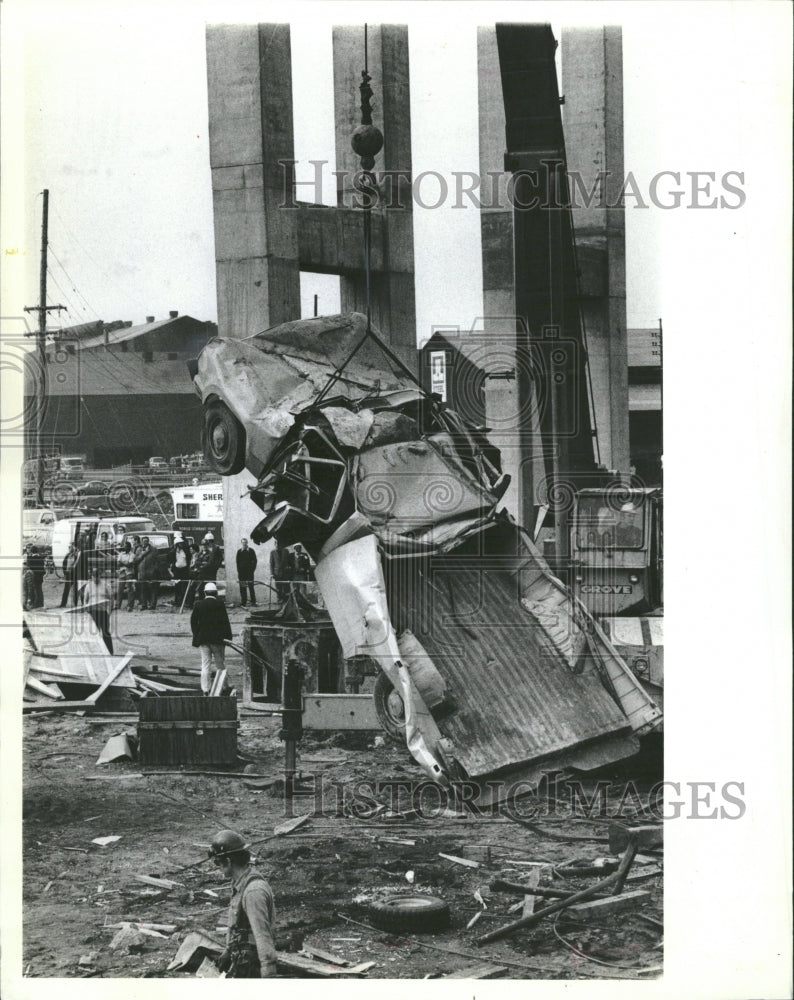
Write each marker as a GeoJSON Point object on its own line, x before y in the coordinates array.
{"type": "Point", "coordinates": [64, 531]}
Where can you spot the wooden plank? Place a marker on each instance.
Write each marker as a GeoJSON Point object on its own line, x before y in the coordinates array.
{"type": "Point", "coordinates": [55, 675]}
{"type": "Point", "coordinates": [326, 956]}
{"type": "Point", "coordinates": [111, 677]}
{"type": "Point", "coordinates": [158, 883]}
{"type": "Point", "coordinates": [460, 861]}
{"type": "Point", "coordinates": [484, 971]}
{"type": "Point", "coordinates": [648, 835]}
{"type": "Point", "coordinates": [290, 962]}
{"type": "Point", "coordinates": [533, 881]}
{"type": "Point", "coordinates": [58, 706]}
{"type": "Point", "coordinates": [48, 690]}
{"type": "Point", "coordinates": [596, 908]}
{"type": "Point", "coordinates": [290, 825]}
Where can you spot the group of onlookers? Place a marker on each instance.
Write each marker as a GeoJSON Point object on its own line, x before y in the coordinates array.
{"type": "Point", "coordinates": [135, 570]}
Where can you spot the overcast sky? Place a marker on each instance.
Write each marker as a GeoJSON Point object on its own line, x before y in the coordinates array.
{"type": "Point", "coordinates": [114, 123]}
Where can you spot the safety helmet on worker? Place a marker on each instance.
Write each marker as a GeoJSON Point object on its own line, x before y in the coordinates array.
{"type": "Point", "coordinates": [226, 842]}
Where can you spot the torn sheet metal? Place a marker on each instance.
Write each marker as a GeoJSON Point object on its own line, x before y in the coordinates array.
{"type": "Point", "coordinates": [515, 698]}
{"type": "Point", "coordinates": [351, 581]}
{"type": "Point", "coordinates": [410, 485]}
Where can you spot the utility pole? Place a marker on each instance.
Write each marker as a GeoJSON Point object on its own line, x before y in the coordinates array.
{"type": "Point", "coordinates": [41, 375]}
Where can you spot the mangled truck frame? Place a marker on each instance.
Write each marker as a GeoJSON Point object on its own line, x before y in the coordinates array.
{"type": "Point", "coordinates": [500, 670]}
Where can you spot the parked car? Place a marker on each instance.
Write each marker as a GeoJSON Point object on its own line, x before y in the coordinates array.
{"type": "Point", "coordinates": [157, 464]}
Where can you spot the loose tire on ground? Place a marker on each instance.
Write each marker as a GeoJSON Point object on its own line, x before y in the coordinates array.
{"type": "Point", "coordinates": [223, 440]}
{"type": "Point", "coordinates": [408, 913]}
{"type": "Point", "coordinates": [389, 709]}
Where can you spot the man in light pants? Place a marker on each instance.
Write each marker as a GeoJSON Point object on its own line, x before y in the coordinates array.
{"type": "Point", "coordinates": [210, 626]}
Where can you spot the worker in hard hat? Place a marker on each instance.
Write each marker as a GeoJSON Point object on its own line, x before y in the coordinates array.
{"type": "Point", "coordinates": [206, 565]}
{"type": "Point", "coordinates": [209, 623]}
{"type": "Point", "coordinates": [250, 946]}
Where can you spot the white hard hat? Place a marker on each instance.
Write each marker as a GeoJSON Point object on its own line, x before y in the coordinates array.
{"type": "Point", "coordinates": [209, 537]}
{"type": "Point", "coordinates": [210, 588]}
{"type": "Point", "coordinates": [178, 536]}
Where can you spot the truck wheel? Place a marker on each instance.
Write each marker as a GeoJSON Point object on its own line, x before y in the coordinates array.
{"type": "Point", "coordinates": [223, 440]}
{"type": "Point", "coordinates": [389, 709]}
{"type": "Point", "coordinates": [408, 913]}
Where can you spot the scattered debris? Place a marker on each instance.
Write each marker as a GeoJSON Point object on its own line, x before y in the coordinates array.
{"type": "Point", "coordinates": [103, 841]}
{"type": "Point", "coordinates": [314, 952]}
{"type": "Point", "coordinates": [614, 882]}
{"type": "Point", "coordinates": [158, 883]}
{"type": "Point", "coordinates": [460, 861]}
{"type": "Point", "coordinates": [194, 949]}
{"type": "Point", "coordinates": [130, 939]}
{"type": "Point", "coordinates": [290, 825]}
{"type": "Point", "coordinates": [144, 927]}
{"type": "Point", "coordinates": [648, 836]}
{"type": "Point", "coordinates": [474, 919]}
{"type": "Point", "coordinates": [528, 903]}
{"type": "Point", "coordinates": [478, 972]}
{"type": "Point", "coordinates": [409, 877]}
{"type": "Point", "coordinates": [612, 904]}
{"type": "Point", "coordinates": [293, 963]}
{"type": "Point", "coordinates": [87, 960]}
{"type": "Point", "coordinates": [209, 970]}
{"type": "Point", "coordinates": [113, 777]}
{"type": "Point", "coordinates": [358, 970]}
{"type": "Point", "coordinates": [116, 748]}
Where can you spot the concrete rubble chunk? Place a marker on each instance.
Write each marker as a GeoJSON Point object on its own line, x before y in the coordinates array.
{"type": "Point", "coordinates": [128, 939]}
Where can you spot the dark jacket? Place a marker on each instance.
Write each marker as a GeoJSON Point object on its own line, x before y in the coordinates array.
{"type": "Point", "coordinates": [152, 566]}
{"type": "Point", "coordinates": [207, 563]}
{"type": "Point", "coordinates": [70, 571]}
{"type": "Point", "coordinates": [246, 564]}
{"type": "Point", "coordinates": [209, 622]}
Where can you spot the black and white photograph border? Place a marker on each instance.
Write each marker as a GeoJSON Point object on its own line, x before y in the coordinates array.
{"type": "Point", "coordinates": [131, 131]}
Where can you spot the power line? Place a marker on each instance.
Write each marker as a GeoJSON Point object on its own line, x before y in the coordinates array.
{"type": "Point", "coordinates": [103, 272]}
{"type": "Point", "coordinates": [74, 287]}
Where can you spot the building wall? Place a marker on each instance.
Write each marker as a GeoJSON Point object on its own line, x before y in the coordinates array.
{"type": "Point", "coordinates": [114, 429]}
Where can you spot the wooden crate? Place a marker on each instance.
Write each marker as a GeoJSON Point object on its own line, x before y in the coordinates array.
{"type": "Point", "coordinates": [187, 729]}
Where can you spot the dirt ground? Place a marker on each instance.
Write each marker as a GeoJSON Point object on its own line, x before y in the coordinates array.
{"type": "Point", "coordinates": [323, 873]}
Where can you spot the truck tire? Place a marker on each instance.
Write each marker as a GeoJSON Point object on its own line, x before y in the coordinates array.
{"type": "Point", "coordinates": [223, 440]}
{"type": "Point", "coordinates": [389, 709]}
{"type": "Point", "coordinates": [408, 913]}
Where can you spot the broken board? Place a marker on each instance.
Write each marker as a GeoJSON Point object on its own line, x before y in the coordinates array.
{"type": "Point", "coordinates": [77, 646]}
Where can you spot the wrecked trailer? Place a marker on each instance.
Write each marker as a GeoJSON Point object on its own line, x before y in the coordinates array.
{"type": "Point", "coordinates": [497, 670]}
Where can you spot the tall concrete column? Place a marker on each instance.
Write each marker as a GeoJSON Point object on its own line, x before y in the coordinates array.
{"type": "Point", "coordinates": [592, 82]}
{"type": "Point", "coordinates": [256, 242]}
